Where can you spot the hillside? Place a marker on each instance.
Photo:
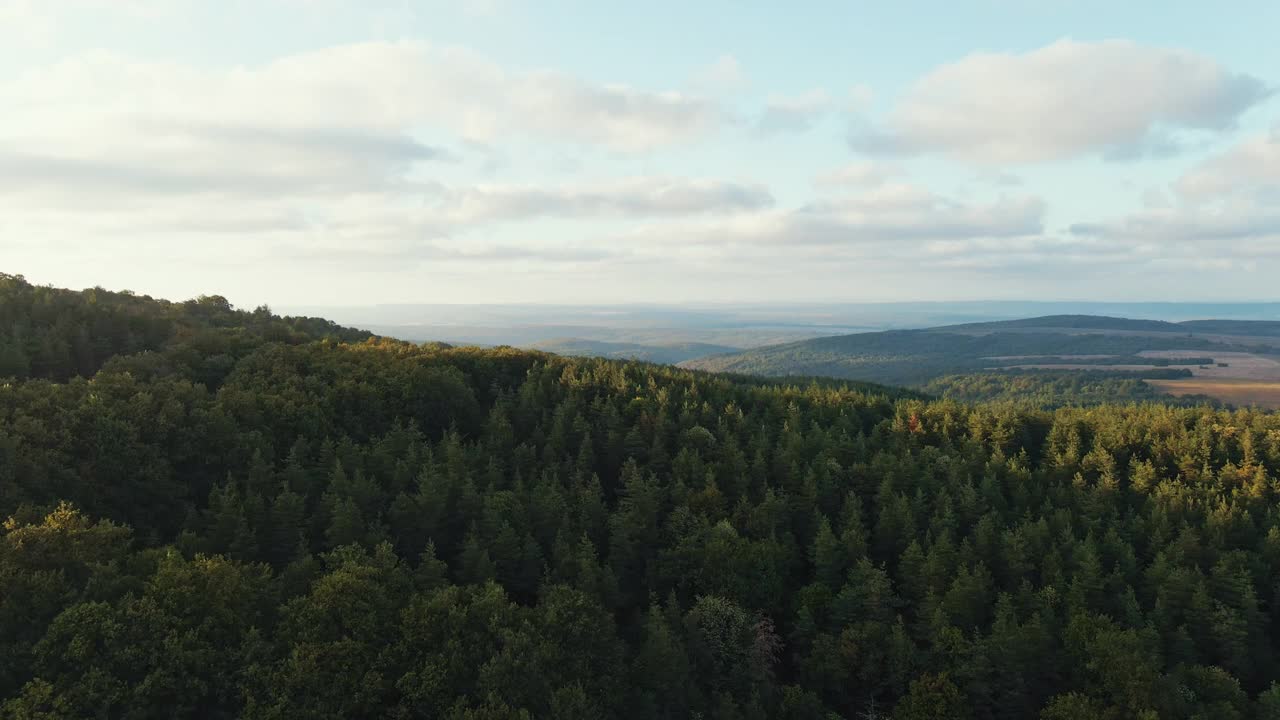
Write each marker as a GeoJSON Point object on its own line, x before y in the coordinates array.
{"type": "Point", "coordinates": [388, 530]}
{"type": "Point", "coordinates": [1258, 328]}
{"type": "Point", "coordinates": [57, 334]}
{"type": "Point", "coordinates": [1259, 331]}
{"type": "Point", "coordinates": [1066, 322]}
{"type": "Point", "coordinates": [1123, 349]}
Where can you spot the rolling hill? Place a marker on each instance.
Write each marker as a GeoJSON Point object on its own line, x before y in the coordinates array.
{"type": "Point", "coordinates": [1209, 350]}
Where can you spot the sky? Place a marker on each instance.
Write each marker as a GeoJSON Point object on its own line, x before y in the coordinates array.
{"type": "Point", "coordinates": [354, 152]}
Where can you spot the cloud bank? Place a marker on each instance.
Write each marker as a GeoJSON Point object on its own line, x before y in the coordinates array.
{"type": "Point", "coordinates": [1063, 100]}
{"type": "Point", "coordinates": [413, 160]}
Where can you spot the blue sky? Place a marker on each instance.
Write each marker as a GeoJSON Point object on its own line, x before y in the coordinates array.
{"type": "Point", "coordinates": [335, 152]}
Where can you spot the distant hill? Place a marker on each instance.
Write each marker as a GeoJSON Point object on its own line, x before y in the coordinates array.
{"type": "Point", "coordinates": [1252, 328]}
{"type": "Point", "coordinates": [1069, 322]}
{"type": "Point", "coordinates": [1260, 328]}
{"type": "Point", "coordinates": [1077, 343]}
{"type": "Point", "coordinates": [666, 354]}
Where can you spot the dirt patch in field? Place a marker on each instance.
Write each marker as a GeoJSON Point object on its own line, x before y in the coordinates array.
{"type": "Point", "coordinates": [1235, 391]}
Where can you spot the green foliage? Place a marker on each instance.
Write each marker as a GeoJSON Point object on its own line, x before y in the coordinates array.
{"type": "Point", "coordinates": [932, 697]}
{"type": "Point", "coordinates": [1056, 388]}
{"type": "Point", "coordinates": [386, 530]}
{"type": "Point", "coordinates": [58, 334]}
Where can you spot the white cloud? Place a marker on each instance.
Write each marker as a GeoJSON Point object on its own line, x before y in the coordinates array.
{"type": "Point", "coordinates": [894, 217]}
{"type": "Point", "coordinates": [632, 197]}
{"type": "Point", "coordinates": [1252, 166]}
{"type": "Point", "coordinates": [1155, 197]}
{"type": "Point", "coordinates": [999, 178]}
{"type": "Point", "coordinates": [860, 173]}
{"type": "Point", "coordinates": [1225, 209]}
{"type": "Point", "coordinates": [860, 98]}
{"type": "Point", "coordinates": [233, 160]}
{"type": "Point", "coordinates": [366, 156]}
{"type": "Point", "coordinates": [900, 211]}
{"type": "Point", "coordinates": [1234, 227]}
{"type": "Point", "coordinates": [28, 23]}
{"type": "Point", "coordinates": [318, 150]}
{"type": "Point", "coordinates": [1034, 254]}
{"type": "Point", "coordinates": [1065, 99]}
{"type": "Point", "coordinates": [725, 75]}
{"type": "Point", "coordinates": [794, 113]}
{"type": "Point", "coordinates": [370, 86]}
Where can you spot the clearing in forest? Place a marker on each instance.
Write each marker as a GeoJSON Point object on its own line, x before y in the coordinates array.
{"type": "Point", "coordinates": [1234, 391]}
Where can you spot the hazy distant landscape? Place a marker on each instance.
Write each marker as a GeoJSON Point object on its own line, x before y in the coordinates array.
{"type": "Point", "coordinates": [728, 324]}
{"type": "Point", "coordinates": [1142, 353]}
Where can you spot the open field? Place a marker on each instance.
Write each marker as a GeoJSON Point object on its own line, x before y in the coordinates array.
{"type": "Point", "coordinates": [1239, 365]}
{"type": "Point", "coordinates": [1230, 390]}
{"type": "Point", "coordinates": [1247, 366]}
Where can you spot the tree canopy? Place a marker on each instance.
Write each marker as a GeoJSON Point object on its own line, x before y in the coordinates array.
{"type": "Point", "coordinates": [222, 521]}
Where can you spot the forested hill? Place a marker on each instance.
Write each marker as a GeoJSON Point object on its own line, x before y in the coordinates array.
{"type": "Point", "coordinates": [53, 333]}
{"type": "Point", "coordinates": [1265, 328]}
{"type": "Point", "coordinates": [916, 357]}
{"type": "Point", "coordinates": [335, 530]}
{"type": "Point", "coordinates": [1071, 322]}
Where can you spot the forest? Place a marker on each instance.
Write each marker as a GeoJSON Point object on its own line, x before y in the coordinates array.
{"type": "Point", "coordinates": [57, 334]}
{"type": "Point", "coordinates": [1059, 388]}
{"type": "Point", "coordinates": [214, 513]}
